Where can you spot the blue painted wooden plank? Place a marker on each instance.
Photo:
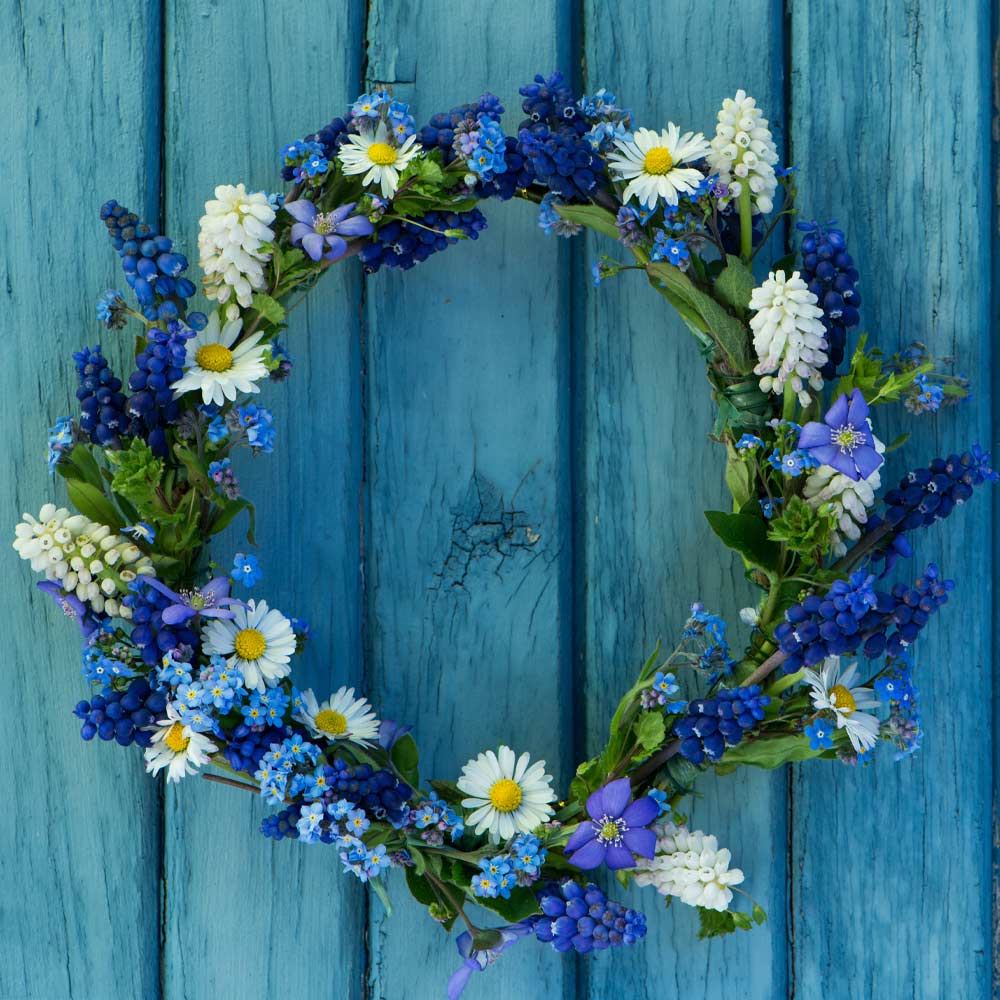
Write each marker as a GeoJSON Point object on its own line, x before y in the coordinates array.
{"type": "Point", "coordinates": [81, 823]}
{"type": "Point", "coordinates": [891, 127]}
{"type": "Point", "coordinates": [468, 547]}
{"type": "Point", "coordinates": [241, 82]}
{"type": "Point", "coordinates": [645, 551]}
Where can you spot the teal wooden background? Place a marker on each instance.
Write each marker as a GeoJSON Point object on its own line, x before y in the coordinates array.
{"type": "Point", "coordinates": [512, 466]}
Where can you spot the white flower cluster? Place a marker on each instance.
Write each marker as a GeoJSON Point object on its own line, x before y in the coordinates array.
{"type": "Point", "coordinates": [234, 228]}
{"type": "Point", "coordinates": [691, 866]}
{"type": "Point", "coordinates": [851, 500]}
{"type": "Point", "coordinates": [743, 151]}
{"type": "Point", "coordinates": [788, 335]}
{"type": "Point", "coordinates": [85, 558]}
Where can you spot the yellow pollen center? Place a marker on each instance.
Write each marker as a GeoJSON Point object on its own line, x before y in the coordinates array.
{"type": "Point", "coordinates": [609, 831]}
{"type": "Point", "coordinates": [843, 699]}
{"type": "Point", "coordinates": [329, 721]}
{"type": "Point", "coordinates": [249, 644]}
{"type": "Point", "coordinates": [175, 738]}
{"type": "Point", "coordinates": [214, 358]}
{"type": "Point", "coordinates": [382, 153]}
{"type": "Point", "coordinates": [505, 795]}
{"type": "Point", "coordinates": [658, 161]}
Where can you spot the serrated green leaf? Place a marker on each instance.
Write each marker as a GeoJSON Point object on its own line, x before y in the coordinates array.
{"type": "Point", "coordinates": [714, 923]}
{"type": "Point", "coordinates": [734, 285]}
{"type": "Point", "coordinates": [270, 309]}
{"type": "Point", "coordinates": [650, 731]}
{"type": "Point", "coordinates": [92, 503]}
{"type": "Point", "coordinates": [747, 535]}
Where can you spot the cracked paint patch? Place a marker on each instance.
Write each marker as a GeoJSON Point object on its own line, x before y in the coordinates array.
{"type": "Point", "coordinates": [486, 532]}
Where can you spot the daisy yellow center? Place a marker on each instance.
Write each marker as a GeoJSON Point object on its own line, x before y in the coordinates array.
{"type": "Point", "coordinates": [249, 644]}
{"type": "Point", "coordinates": [175, 738]}
{"type": "Point", "coordinates": [505, 795]}
{"type": "Point", "coordinates": [658, 161]}
{"type": "Point", "coordinates": [214, 358]}
{"type": "Point", "coordinates": [843, 699]}
{"type": "Point", "coordinates": [382, 154]}
{"type": "Point", "coordinates": [329, 721]}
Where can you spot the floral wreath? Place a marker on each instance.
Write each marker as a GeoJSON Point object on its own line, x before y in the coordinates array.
{"type": "Point", "coordinates": [199, 678]}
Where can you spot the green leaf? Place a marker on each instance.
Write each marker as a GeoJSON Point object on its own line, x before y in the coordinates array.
{"type": "Point", "coordinates": [650, 731]}
{"type": "Point", "coordinates": [228, 514]}
{"type": "Point", "coordinates": [747, 535]}
{"type": "Point", "coordinates": [92, 503]}
{"type": "Point", "coordinates": [90, 471]}
{"type": "Point", "coordinates": [419, 887]}
{"type": "Point", "coordinates": [732, 336]}
{"type": "Point", "coordinates": [137, 477]}
{"type": "Point", "coordinates": [425, 170]}
{"type": "Point", "coordinates": [380, 890]}
{"type": "Point", "coordinates": [757, 914]}
{"type": "Point", "coordinates": [592, 216]}
{"type": "Point", "coordinates": [522, 904]}
{"type": "Point", "coordinates": [406, 757]}
{"type": "Point", "coordinates": [682, 773]}
{"type": "Point", "coordinates": [803, 528]}
{"type": "Point", "coordinates": [628, 701]}
{"type": "Point", "coordinates": [714, 923]}
{"type": "Point", "coordinates": [786, 263]}
{"type": "Point", "coordinates": [270, 309]}
{"type": "Point", "coordinates": [771, 752]}
{"type": "Point", "coordinates": [737, 476]}
{"type": "Point", "coordinates": [734, 285]}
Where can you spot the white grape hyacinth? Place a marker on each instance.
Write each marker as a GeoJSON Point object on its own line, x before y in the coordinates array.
{"type": "Point", "coordinates": [85, 558]}
{"type": "Point", "coordinates": [850, 500]}
{"type": "Point", "coordinates": [743, 151]}
{"type": "Point", "coordinates": [691, 866]}
{"type": "Point", "coordinates": [233, 231]}
{"type": "Point", "coordinates": [788, 335]}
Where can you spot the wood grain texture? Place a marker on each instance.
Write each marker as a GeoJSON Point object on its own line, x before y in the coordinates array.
{"type": "Point", "coordinates": [468, 545]}
{"type": "Point", "coordinates": [243, 80]}
{"type": "Point", "coordinates": [80, 826]}
{"type": "Point", "coordinates": [645, 551]}
{"type": "Point", "coordinates": [891, 888]}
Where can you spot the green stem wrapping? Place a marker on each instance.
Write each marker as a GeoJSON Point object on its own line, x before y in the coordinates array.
{"type": "Point", "coordinates": [746, 223]}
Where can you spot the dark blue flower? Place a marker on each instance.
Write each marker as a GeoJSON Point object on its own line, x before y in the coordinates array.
{"type": "Point", "coordinates": [844, 439]}
{"type": "Point", "coordinates": [583, 919]}
{"type": "Point", "coordinates": [616, 831]}
{"type": "Point", "coordinates": [321, 234]}
{"type": "Point", "coordinates": [102, 403]}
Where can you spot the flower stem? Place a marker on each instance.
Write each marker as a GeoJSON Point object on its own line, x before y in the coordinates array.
{"type": "Point", "coordinates": [746, 223]}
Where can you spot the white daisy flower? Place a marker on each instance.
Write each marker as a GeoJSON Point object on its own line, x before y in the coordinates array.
{"type": "Point", "coordinates": [743, 151]}
{"type": "Point", "coordinates": [652, 161]}
{"type": "Point", "coordinates": [218, 369]}
{"type": "Point", "coordinates": [258, 641]}
{"type": "Point", "coordinates": [689, 865]}
{"type": "Point", "coordinates": [372, 154]}
{"type": "Point", "coordinates": [849, 500]}
{"type": "Point", "coordinates": [340, 717]}
{"type": "Point", "coordinates": [506, 795]}
{"type": "Point", "coordinates": [835, 692]}
{"type": "Point", "coordinates": [788, 335]}
{"type": "Point", "coordinates": [177, 747]}
{"type": "Point", "coordinates": [234, 229]}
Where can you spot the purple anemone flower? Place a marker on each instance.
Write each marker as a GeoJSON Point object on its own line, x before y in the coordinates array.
{"type": "Point", "coordinates": [321, 234]}
{"type": "Point", "coordinates": [389, 733]}
{"type": "Point", "coordinates": [478, 960]}
{"type": "Point", "coordinates": [210, 601]}
{"type": "Point", "coordinates": [71, 606]}
{"type": "Point", "coordinates": [616, 830]}
{"type": "Point", "coordinates": [844, 440]}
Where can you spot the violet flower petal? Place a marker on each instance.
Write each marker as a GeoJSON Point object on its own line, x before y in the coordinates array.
{"type": "Point", "coordinates": [177, 614]}
{"type": "Point", "coordinates": [857, 412]}
{"type": "Point", "coordinates": [618, 858]}
{"type": "Point", "coordinates": [583, 834]}
{"type": "Point", "coordinates": [641, 842]}
{"type": "Point", "coordinates": [595, 803]}
{"type": "Point", "coordinates": [814, 435]}
{"type": "Point", "coordinates": [357, 225]}
{"type": "Point", "coordinates": [616, 797]}
{"type": "Point", "coordinates": [867, 460]}
{"type": "Point", "coordinates": [642, 812]}
{"type": "Point", "coordinates": [836, 416]}
{"type": "Point", "coordinates": [313, 245]}
{"type": "Point", "coordinates": [162, 588]}
{"type": "Point", "coordinates": [591, 855]}
{"type": "Point", "coordinates": [301, 209]}
{"type": "Point", "coordinates": [338, 248]}
{"type": "Point", "coordinates": [216, 589]}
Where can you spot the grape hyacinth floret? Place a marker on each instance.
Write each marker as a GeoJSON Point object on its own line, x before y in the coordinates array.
{"type": "Point", "coordinates": [582, 919]}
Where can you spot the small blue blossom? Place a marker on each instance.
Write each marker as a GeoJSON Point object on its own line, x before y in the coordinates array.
{"type": "Point", "coordinates": [748, 442]}
{"type": "Point", "coordinates": [246, 569]}
{"type": "Point", "coordinates": [673, 251]}
{"type": "Point", "coordinates": [60, 440]}
{"type": "Point", "coordinates": [794, 463]}
{"type": "Point", "coordinates": [527, 854]}
{"type": "Point", "coordinates": [551, 222]}
{"type": "Point", "coordinates": [660, 798]}
{"type": "Point", "coordinates": [141, 532]}
{"type": "Point", "coordinates": [111, 310]}
{"type": "Point", "coordinates": [820, 733]}
{"type": "Point", "coordinates": [769, 506]}
{"type": "Point", "coordinates": [217, 430]}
